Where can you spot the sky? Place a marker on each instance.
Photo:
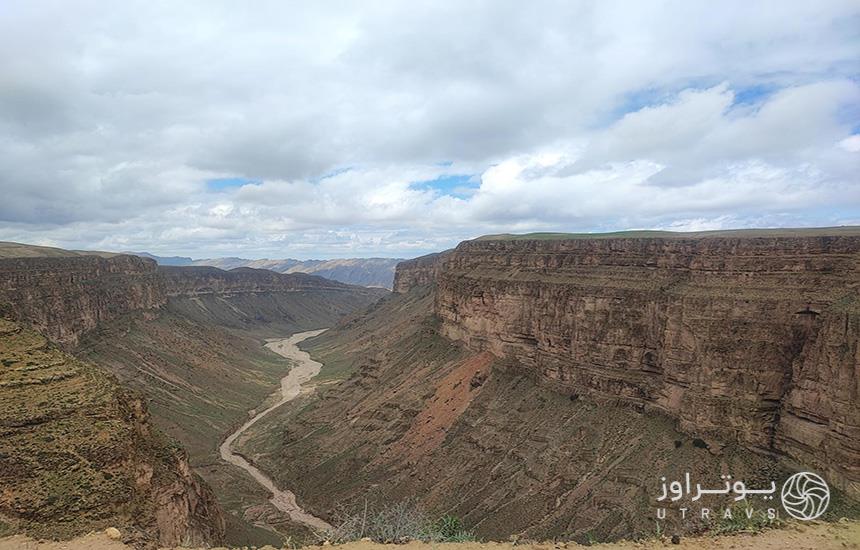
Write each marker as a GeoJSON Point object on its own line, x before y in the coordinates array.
{"type": "Point", "coordinates": [347, 129]}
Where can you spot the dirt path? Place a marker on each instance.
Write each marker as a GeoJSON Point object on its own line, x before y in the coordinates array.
{"type": "Point", "coordinates": [799, 536]}
{"type": "Point", "coordinates": [291, 385]}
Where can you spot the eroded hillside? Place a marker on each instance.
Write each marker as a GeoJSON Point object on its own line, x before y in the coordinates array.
{"type": "Point", "coordinates": [78, 452]}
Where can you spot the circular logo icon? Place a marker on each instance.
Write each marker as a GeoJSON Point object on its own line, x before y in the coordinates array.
{"type": "Point", "coordinates": [805, 495]}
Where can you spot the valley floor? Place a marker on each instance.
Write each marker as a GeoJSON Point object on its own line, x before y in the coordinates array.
{"type": "Point", "coordinates": [291, 386]}
{"type": "Point", "coordinates": [815, 536]}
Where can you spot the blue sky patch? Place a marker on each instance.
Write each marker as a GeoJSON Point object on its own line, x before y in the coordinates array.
{"type": "Point", "coordinates": [651, 97]}
{"type": "Point", "coordinates": [457, 185]}
{"type": "Point", "coordinates": [753, 95]}
{"type": "Point", "coordinates": [656, 96]}
{"type": "Point", "coordinates": [849, 114]}
{"type": "Point", "coordinates": [223, 184]}
{"type": "Point", "coordinates": [638, 100]}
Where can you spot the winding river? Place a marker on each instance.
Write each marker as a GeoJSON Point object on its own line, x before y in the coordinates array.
{"type": "Point", "coordinates": [291, 385]}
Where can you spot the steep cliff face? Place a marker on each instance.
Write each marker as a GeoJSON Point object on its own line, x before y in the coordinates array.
{"type": "Point", "coordinates": [371, 272]}
{"type": "Point", "coordinates": [819, 421]}
{"type": "Point", "coordinates": [186, 281]}
{"type": "Point", "coordinates": [418, 271]}
{"type": "Point", "coordinates": [64, 297]}
{"type": "Point", "coordinates": [749, 340]}
{"type": "Point", "coordinates": [77, 452]}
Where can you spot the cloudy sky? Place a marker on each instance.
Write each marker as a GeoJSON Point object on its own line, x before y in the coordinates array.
{"type": "Point", "coordinates": [341, 129]}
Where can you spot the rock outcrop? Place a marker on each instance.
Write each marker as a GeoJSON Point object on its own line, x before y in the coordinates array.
{"type": "Point", "coordinates": [420, 271]}
{"type": "Point", "coordinates": [77, 452]}
{"type": "Point", "coordinates": [751, 340]}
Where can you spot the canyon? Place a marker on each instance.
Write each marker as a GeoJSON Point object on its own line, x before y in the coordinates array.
{"type": "Point", "coordinates": [291, 386]}
{"type": "Point", "coordinates": [541, 385]}
{"type": "Point", "coordinates": [535, 385]}
{"type": "Point", "coordinates": [189, 341]}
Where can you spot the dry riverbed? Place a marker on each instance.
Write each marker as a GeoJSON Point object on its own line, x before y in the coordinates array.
{"type": "Point", "coordinates": [291, 386]}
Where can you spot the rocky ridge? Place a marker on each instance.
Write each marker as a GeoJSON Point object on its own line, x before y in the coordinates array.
{"type": "Point", "coordinates": [421, 271]}
{"type": "Point", "coordinates": [65, 296]}
{"type": "Point", "coordinates": [369, 272]}
{"type": "Point", "coordinates": [185, 281]}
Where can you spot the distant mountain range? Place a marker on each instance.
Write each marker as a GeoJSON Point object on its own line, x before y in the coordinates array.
{"type": "Point", "coordinates": [373, 272]}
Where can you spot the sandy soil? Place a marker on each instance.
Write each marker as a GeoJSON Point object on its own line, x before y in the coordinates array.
{"type": "Point", "coordinates": [291, 386]}
{"type": "Point", "coordinates": [89, 542]}
{"type": "Point", "coordinates": [813, 536]}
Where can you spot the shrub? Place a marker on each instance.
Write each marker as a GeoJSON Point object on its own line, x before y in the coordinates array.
{"type": "Point", "coordinates": [746, 521]}
{"type": "Point", "coordinates": [398, 522]}
{"type": "Point", "coordinates": [451, 529]}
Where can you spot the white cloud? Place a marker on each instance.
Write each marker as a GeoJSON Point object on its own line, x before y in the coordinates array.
{"type": "Point", "coordinates": [851, 144]}
{"type": "Point", "coordinates": [573, 115]}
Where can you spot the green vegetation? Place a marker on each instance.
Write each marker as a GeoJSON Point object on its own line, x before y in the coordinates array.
{"type": "Point", "coordinates": [747, 520]}
{"type": "Point", "coordinates": [337, 366]}
{"type": "Point", "coordinates": [640, 234]}
{"type": "Point", "coordinates": [396, 523]}
{"type": "Point", "coordinates": [451, 529]}
{"type": "Point", "coordinates": [5, 529]}
{"type": "Point", "coordinates": [21, 250]}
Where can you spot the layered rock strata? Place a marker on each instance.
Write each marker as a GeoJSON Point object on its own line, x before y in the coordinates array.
{"type": "Point", "coordinates": [64, 297]}
{"type": "Point", "coordinates": [192, 280]}
{"type": "Point", "coordinates": [751, 339]}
